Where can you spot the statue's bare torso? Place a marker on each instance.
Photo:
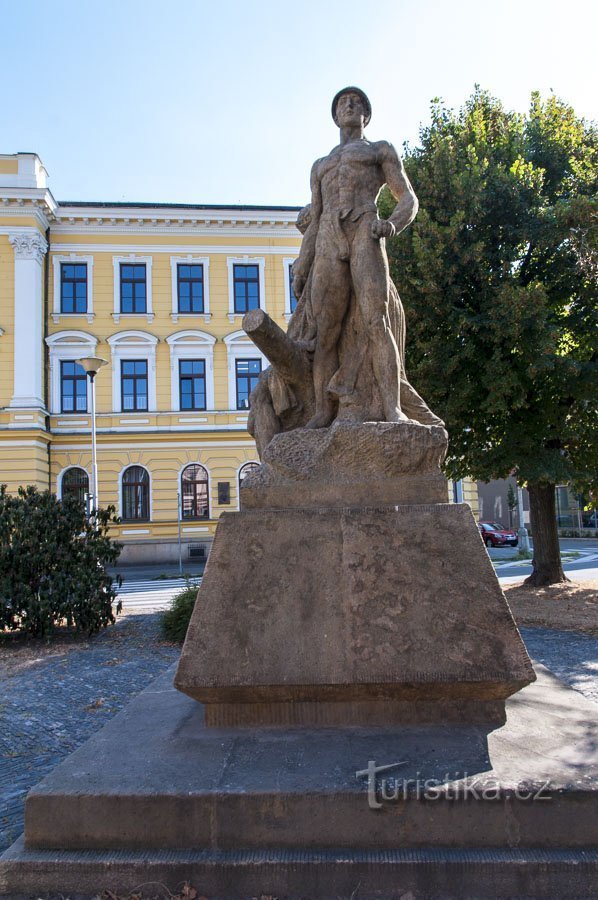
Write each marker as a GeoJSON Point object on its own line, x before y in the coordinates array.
{"type": "Point", "coordinates": [351, 176]}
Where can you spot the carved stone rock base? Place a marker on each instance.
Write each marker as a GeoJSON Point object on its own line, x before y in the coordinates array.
{"type": "Point", "coordinates": [350, 464]}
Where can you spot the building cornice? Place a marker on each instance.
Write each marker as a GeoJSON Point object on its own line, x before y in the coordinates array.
{"type": "Point", "coordinates": [176, 220]}
{"type": "Point", "coordinates": [145, 218]}
{"type": "Point", "coordinates": [39, 204]}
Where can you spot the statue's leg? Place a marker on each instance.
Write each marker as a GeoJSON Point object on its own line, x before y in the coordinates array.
{"type": "Point", "coordinates": [330, 292]}
{"type": "Point", "coordinates": [371, 279]}
{"type": "Point", "coordinates": [415, 406]}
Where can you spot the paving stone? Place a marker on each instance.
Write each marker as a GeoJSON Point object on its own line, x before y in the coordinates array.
{"type": "Point", "coordinates": [51, 707]}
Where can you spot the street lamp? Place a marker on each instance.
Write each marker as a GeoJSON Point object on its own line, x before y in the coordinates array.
{"type": "Point", "coordinates": [523, 533]}
{"type": "Point", "coordinates": [91, 366]}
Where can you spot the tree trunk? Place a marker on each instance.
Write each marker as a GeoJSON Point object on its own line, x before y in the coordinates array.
{"type": "Point", "coordinates": [547, 555]}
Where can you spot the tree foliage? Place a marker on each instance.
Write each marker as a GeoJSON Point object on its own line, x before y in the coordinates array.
{"type": "Point", "coordinates": [53, 564]}
{"type": "Point", "coordinates": [497, 278]}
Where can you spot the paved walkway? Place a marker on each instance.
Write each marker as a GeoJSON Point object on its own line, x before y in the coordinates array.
{"type": "Point", "coordinates": [571, 657]}
{"type": "Point", "coordinates": [49, 706]}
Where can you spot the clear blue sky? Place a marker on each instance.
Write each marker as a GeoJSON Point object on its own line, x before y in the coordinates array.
{"type": "Point", "coordinates": [229, 102]}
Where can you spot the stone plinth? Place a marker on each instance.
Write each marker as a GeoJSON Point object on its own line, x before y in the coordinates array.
{"type": "Point", "coordinates": [350, 464]}
{"type": "Point", "coordinates": [155, 796]}
{"type": "Point", "coordinates": [351, 616]}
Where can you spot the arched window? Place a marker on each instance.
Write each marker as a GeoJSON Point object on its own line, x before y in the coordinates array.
{"type": "Point", "coordinates": [135, 485]}
{"type": "Point", "coordinates": [75, 483]}
{"type": "Point", "coordinates": [195, 493]}
{"type": "Point", "coordinates": [246, 470]}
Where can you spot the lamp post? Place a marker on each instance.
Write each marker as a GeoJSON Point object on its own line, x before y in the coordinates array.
{"type": "Point", "coordinates": [91, 366]}
{"type": "Point", "coordinates": [523, 534]}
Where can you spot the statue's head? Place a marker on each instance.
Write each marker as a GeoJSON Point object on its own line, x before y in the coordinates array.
{"type": "Point", "coordinates": [358, 97]}
{"type": "Point", "coordinates": [304, 218]}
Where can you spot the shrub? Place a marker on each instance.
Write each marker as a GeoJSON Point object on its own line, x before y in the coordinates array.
{"type": "Point", "coordinates": [53, 564]}
{"type": "Point", "coordinates": [175, 620]}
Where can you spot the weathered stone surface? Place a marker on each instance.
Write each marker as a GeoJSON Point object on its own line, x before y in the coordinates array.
{"type": "Point", "coordinates": [354, 606]}
{"type": "Point", "coordinates": [281, 811]}
{"type": "Point", "coordinates": [318, 874]}
{"type": "Point", "coordinates": [350, 464]}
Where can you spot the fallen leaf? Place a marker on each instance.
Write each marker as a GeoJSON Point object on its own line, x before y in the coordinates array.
{"type": "Point", "coordinates": [96, 705]}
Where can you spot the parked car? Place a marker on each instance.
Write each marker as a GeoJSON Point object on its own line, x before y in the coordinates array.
{"type": "Point", "coordinates": [496, 535]}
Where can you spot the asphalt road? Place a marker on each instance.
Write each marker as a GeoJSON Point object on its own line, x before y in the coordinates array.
{"type": "Point", "coordinates": [580, 559]}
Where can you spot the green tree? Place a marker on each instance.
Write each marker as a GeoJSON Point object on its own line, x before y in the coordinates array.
{"type": "Point", "coordinates": [497, 278]}
{"type": "Point", "coordinates": [53, 564]}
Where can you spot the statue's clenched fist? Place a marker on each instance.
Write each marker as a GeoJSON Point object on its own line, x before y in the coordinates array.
{"type": "Point", "coordinates": [382, 228]}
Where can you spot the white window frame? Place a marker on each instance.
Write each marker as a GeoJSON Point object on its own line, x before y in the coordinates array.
{"type": "Point", "coordinates": [186, 465]}
{"type": "Point", "coordinates": [71, 259]}
{"type": "Point", "coordinates": [231, 262]}
{"type": "Point", "coordinates": [239, 346]}
{"type": "Point", "coordinates": [133, 345]}
{"type": "Point", "coordinates": [133, 258]}
{"type": "Point", "coordinates": [135, 522]}
{"type": "Point", "coordinates": [246, 463]}
{"type": "Point", "coordinates": [67, 346]}
{"type": "Point", "coordinates": [287, 262]}
{"type": "Point", "coordinates": [190, 260]}
{"type": "Point", "coordinates": [62, 473]}
{"type": "Point", "coordinates": [457, 490]}
{"type": "Point", "coordinates": [191, 345]}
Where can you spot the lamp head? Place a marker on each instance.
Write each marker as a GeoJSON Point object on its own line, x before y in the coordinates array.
{"type": "Point", "coordinates": [91, 364]}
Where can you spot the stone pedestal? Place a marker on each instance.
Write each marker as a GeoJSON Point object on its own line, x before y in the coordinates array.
{"type": "Point", "coordinates": [351, 616]}
{"type": "Point", "coordinates": [348, 657]}
{"type": "Point", "coordinates": [329, 600]}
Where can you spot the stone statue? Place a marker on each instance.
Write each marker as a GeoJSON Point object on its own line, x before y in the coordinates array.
{"type": "Point", "coordinates": [343, 356]}
{"type": "Point", "coordinates": [337, 595]}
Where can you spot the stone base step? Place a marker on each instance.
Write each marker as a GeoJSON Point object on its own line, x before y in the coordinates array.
{"type": "Point", "coordinates": [423, 873]}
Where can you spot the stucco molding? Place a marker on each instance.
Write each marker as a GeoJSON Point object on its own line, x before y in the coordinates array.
{"type": "Point", "coordinates": [29, 245]}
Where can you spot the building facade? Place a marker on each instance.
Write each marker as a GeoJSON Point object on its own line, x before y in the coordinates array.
{"type": "Point", "coordinates": [158, 291]}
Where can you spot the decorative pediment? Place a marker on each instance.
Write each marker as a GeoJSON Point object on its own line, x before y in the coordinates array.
{"type": "Point", "coordinates": [191, 337]}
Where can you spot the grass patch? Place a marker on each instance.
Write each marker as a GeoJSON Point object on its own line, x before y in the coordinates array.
{"type": "Point", "coordinates": [524, 554]}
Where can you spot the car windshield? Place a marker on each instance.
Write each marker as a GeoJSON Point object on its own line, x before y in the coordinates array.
{"type": "Point", "coordinates": [498, 527]}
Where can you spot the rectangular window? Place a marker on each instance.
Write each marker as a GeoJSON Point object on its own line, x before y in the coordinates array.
{"type": "Point", "coordinates": [192, 383]}
{"type": "Point", "coordinates": [73, 388]}
{"type": "Point", "coordinates": [247, 372]}
{"type": "Point", "coordinates": [246, 287]}
{"type": "Point", "coordinates": [292, 297]}
{"type": "Point", "coordinates": [133, 383]}
{"type": "Point", "coordinates": [190, 288]}
{"type": "Point", "coordinates": [73, 287]}
{"type": "Point", "coordinates": [133, 288]}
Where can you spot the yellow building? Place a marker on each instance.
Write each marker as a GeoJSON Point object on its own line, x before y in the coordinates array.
{"type": "Point", "coordinates": [159, 291]}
